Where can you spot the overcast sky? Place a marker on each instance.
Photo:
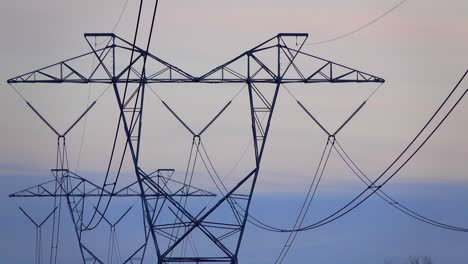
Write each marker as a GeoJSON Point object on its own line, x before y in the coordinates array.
{"type": "Point", "coordinates": [420, 49]}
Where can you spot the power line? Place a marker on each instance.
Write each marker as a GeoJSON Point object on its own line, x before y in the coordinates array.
{"type": "Point", "coordinates": [373, 187]}
{"type": "Point", "coordinates": [307, 200]}
{"type": "Point", "coordinates": [120, 16]}
{"type": "Point", "coordinates": [391, 201]}
{"type": "Point", "coordinates": [338, 213]}
{"type": "Point", "coordinates": [359, 28]}
{"type": "Point", "coordinates": [87, 227]}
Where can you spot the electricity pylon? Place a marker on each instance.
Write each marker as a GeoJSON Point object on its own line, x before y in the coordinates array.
{"type": "Point", "coordinates": [176, 222]}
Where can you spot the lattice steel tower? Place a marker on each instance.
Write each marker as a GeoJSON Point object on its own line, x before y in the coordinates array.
{"type": "Point", "coordinates": [177, 224]}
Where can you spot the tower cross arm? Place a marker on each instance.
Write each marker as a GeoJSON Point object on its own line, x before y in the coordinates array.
{"type": "Point", "coordinates": [108, 62]}
{"type": "Point", "coordinates": [281, 60]}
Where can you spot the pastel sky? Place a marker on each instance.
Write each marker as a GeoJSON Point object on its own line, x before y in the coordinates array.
{"type": "Point", "coordinates": [420, 49]}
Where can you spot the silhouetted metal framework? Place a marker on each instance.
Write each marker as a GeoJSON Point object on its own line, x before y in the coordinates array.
{"type": "Point", "coordinates": [263, 69]}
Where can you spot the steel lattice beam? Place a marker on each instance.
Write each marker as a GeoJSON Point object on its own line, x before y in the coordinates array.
{"type": "Point", "coordinates": [66, 72]}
